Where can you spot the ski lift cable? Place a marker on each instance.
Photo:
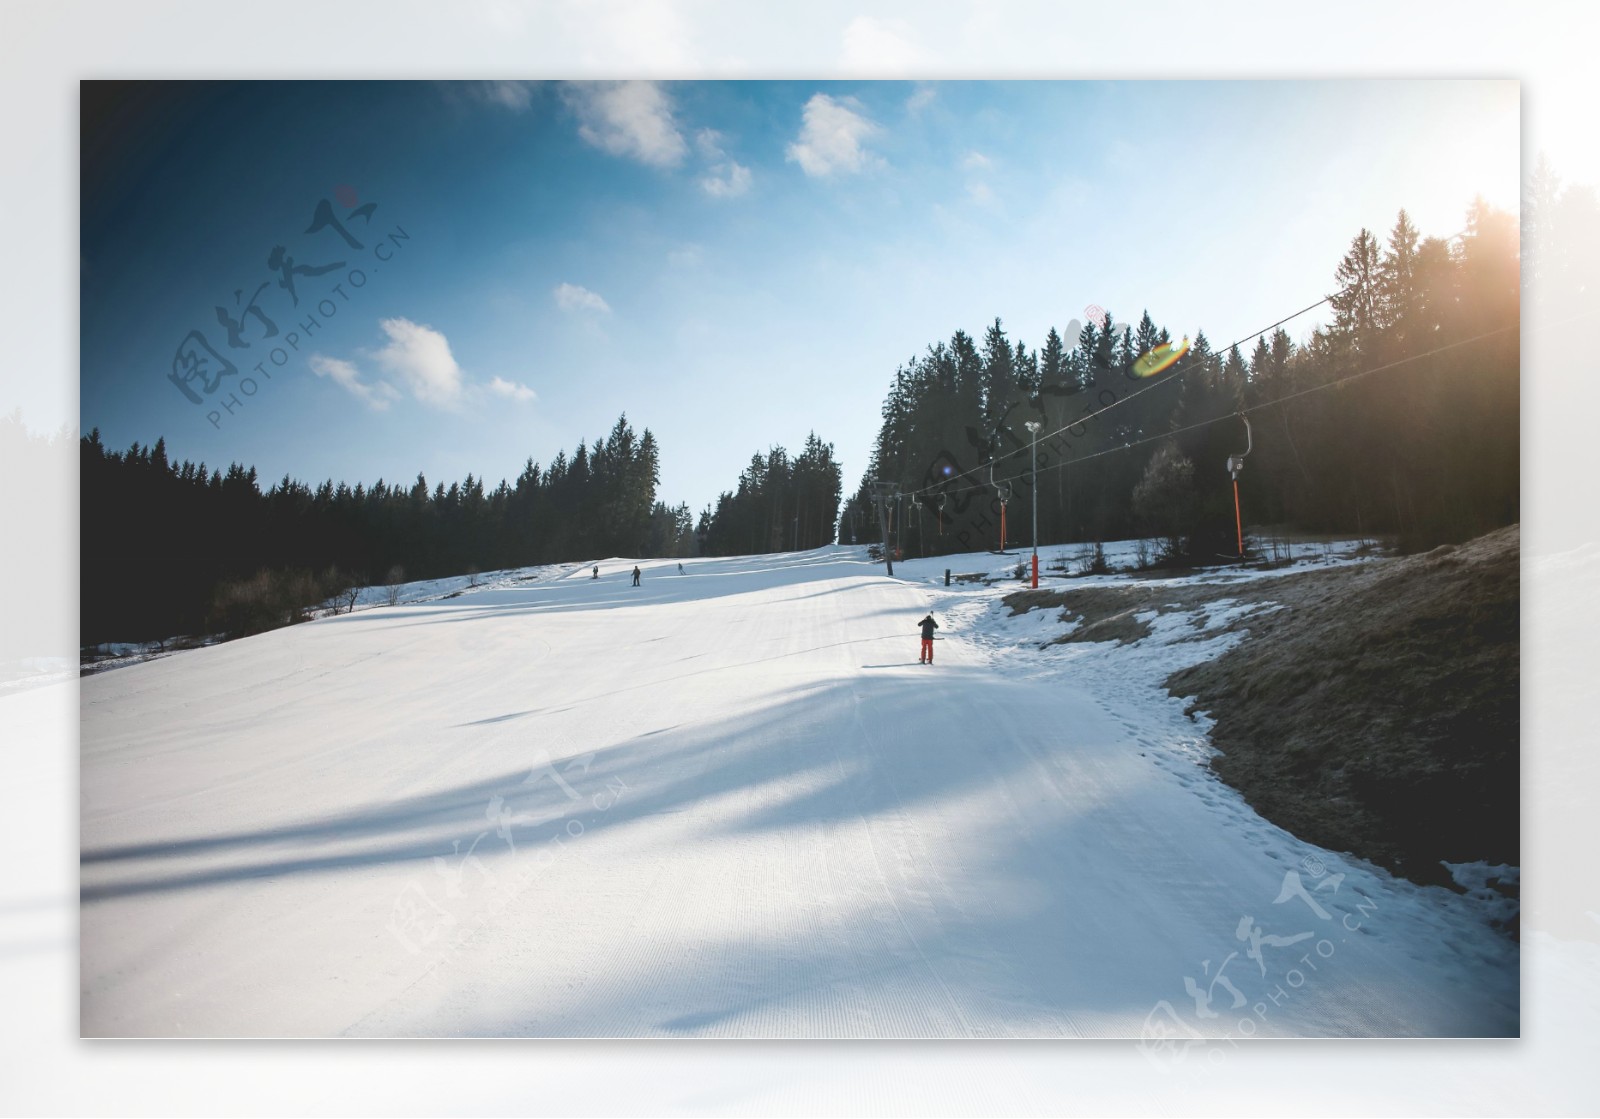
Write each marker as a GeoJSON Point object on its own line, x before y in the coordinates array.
{"type": "Point", "coordinates": [1278, 400]}
{"type": "Point", "coordinates": [1216, 355]}
{"type": "Point", "coordinates": [1291, 396]}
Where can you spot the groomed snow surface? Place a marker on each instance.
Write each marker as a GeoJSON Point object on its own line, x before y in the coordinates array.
{"type": "Point", "coordinates": [729, 803]}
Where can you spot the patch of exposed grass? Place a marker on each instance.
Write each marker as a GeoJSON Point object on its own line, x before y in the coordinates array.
{"type": "Point", "coordinates": [1376, 712]}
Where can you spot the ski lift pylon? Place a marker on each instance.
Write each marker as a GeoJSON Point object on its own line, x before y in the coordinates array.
{"type": "Point", "coordinates": [1236, 464]}
{"type": "Point", "coordinates": [1003, 490]}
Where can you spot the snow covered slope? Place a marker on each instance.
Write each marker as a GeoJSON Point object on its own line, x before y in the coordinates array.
{"type": "Point", "coordinates": [725, 803]}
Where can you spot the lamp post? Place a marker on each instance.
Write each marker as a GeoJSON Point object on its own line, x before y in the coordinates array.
{"type": "Point", "coordinates": [1033, 430]}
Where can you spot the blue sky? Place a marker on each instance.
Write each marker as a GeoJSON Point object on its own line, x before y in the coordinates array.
{"type": "Point", "coordinates": [732, 263]}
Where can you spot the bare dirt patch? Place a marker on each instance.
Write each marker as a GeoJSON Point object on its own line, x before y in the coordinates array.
{"type": "Point", "coordinates": [1377, 712]}
{"type": "Point", "coordinates": [1112, 613]}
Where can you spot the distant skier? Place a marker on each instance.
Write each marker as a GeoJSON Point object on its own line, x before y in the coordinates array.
{"type": "Point", "coordinates": [636, 576]}
{"type": "Point", "coordinates": [928, 626]}
{"type": "Point", "coordinates": [597, 571]}
{"type": "Point", "coordinates": [680, 569]}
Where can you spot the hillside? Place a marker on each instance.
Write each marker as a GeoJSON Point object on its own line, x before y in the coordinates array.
{"type": "Point", "coordinates": [1370, 708]}
{"type": "Point", "coordinates": [723, 803]}
{"type": "Point", "coordinates": [1377, 712]}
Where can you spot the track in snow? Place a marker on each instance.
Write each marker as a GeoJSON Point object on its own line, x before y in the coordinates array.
{"type": "Point", "coordinates": [725, 803]}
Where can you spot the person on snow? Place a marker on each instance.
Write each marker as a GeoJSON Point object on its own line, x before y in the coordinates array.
{"type": "Point", "coordinates": [597, 571]}
{"type": "Point", "coordinates": [680, 569]}
{"type": "Point", "coordinates": [928, 626]}
{"type": "Point", "coordinates": [636, 576]}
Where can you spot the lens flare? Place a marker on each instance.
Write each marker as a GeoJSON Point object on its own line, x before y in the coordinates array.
{"type": "Point", "coordinates": [1161, 358]}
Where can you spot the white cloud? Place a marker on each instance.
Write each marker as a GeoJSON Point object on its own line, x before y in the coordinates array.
{"type": "Point", "coordinates": [516, 96]}
{"type": "Point", "coordinates": [724, 177]}
{"type": "Point", "coordinates": [420, 358]}
{"type": "Point", "coordinates": [376, 395]}
{"type": "Point", "coordinates": [512, 390]}
{"type": "Point", "coordinates": [976, 161]}
{"type": "Point", "coordinates": [877, 46]}
{"type": "Point", "coordinates": [709, 143]}
{"type": "Point", "coordinates": [727, 180]}
{"type": "Point", "coordinates": [632, 119]}
{"type": "Point", "coordinates": [572, 297]}
{"type": "Point", "coordinates": [980, 193]}
{"type": "Point", "coordinates": [831, 137]}
{"type": "Point", "coordinates": [921, 99]}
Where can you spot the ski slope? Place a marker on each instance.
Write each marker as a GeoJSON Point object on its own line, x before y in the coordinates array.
{"type": "Point", "coordinates": [724, 803]}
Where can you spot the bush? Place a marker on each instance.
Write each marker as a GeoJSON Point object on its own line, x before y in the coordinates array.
{"type": "Point", "coordinates": [396, 576]}
{"type": "Point", "coordinates": [1092, 560]}
{"type": "Point", "coordinates": [348, 595]}
{"type": "Point", "coordinates": [1278, 551]}
{"type": "Point", "coordinates": [268, 600]}
{"type": "Point", "coordinates": [1141, 555]}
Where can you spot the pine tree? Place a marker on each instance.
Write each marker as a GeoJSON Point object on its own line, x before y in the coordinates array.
{"type": "Point", "coordinates": [1399, 299]}
{"type": "Point", "coordinates": [1000, 390]}
{"type": "Point", "coordinates": [1147, 337]}
{"type": "Point", "coordinates": [1052, 361]}
{"type": "Point", "coordinates": [1260, 368]}
{"type": "Point", "coordinates": [1235, 376]}
{"type": "Point", "coordinates": [1356, 305]}
{"type": "Point", "coordinates": [1026, 366]}
{"type": "Point", "coordinates": [1084, 355]}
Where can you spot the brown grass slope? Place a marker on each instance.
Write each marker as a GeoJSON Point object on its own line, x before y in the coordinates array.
{"type": "Point", "coordinates": [1375, 713]}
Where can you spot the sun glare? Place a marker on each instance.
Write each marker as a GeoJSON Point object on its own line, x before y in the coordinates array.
{"type": "Point", "coordinates": [1559, 120]}
{"type": "Point", "coordinates": [1476, 153]}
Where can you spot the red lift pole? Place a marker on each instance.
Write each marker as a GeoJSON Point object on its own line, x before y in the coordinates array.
{"type": "Point", "coordinates": [1002, 490]}
{"type": "Point", "coordinates": [1238, 524]}
{"type": "Point", "coordinates": [1236, 464]}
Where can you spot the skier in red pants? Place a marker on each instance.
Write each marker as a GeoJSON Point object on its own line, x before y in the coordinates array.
{"type": "Point", "coordinates": [928, 626]}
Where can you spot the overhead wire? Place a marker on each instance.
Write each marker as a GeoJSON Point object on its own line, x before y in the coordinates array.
{"type": "Point", "coordinates": [1178, 374]}
{"type": "Point", "coordinates": [1336, 383]}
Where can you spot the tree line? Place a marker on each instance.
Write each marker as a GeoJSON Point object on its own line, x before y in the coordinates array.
{"type": "Point", "coordinates": [1419, 441]}
{"type": "Point", "coordinates": [1416, 436]}
{"type": "Point", "coordinates": [179, 548]}
{"type": "Point", "coordinates": [780, 504]}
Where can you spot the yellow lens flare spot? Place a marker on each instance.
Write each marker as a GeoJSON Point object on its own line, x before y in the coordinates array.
{"type": "Point", "coordinates": [1160, 359]}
